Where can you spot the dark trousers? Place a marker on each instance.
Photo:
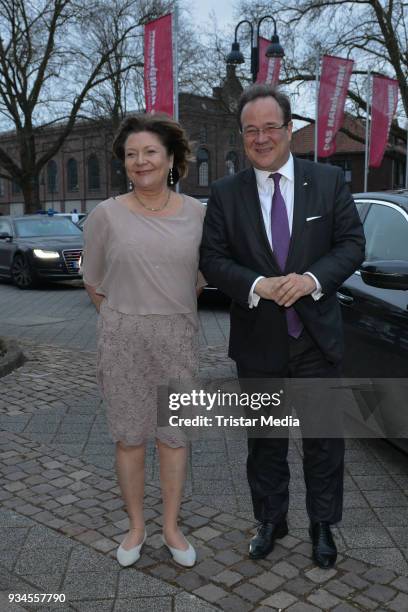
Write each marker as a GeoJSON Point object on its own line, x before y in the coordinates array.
{"type": "Point", "coordinates": [323, 458]}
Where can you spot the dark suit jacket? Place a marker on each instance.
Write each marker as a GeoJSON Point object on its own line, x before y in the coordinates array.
{"type": "Point", "coordinates": [235, 251]}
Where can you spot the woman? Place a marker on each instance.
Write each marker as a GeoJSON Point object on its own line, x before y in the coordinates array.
{"type": "Point", "coordinates": [141, 272]}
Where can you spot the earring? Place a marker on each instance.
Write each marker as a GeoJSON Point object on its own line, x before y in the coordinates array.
{"type": "Point", "coordinates": [171, 178]}
{"type": "Point", "coordinates": [130, 186]}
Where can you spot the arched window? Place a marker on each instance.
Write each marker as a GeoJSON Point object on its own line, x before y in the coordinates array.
{"type": "Point", "coordinates": [94, 182]}
{"type": "Point", "coordinates": [203, 134]}
{"type": "Point", "coordinates": [118, 179]}
{"type": "Point", "coordinates": [72, 175]}
{"type": "Point", "coordinates": [231, 162]}
{"type": "Point", "coordinates": [52, 173]}
{"type": "Point", "coordinates": [203, 167]}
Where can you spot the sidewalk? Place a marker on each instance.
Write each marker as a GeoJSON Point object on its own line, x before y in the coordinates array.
{"type": "Point", "coordinates": [61, 516]}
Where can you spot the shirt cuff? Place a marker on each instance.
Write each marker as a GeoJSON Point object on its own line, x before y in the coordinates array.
{"type": "Point", "coordinates": [317, 293]}
{"type": "Point", "coordinates": [253, 298]}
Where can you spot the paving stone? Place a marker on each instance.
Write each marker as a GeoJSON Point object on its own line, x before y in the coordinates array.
{"type": "Point", "coordinates": [227, 557]}
{"type": "Point", "coordinates": [399, 603]}
{"type": "Point", "coordinates": [379, 575]}
{"type": "Point", "coordinates": [303, 607]}
{"type": "Point", "coordinates": [268, 581]}
{"type": "Point", "coordinates": [211, 593]}
{"type": "Point", "coordinates": [339, 588]}
{"type": "Point", "coordinates": [280, 600]}
{"type": "Point", "coordinates": [285, 569]}
{"type": "Point", "coordinates": [248, 569]}
{"type": "Point", "coordinates": [232, 603]}
{"type": "Point", "coordinates": [206, 533]}
{"type": "Point", "coordinates": [355, 581]}
{"type": "Point", "coordinates": [190, 581]}
{"type": "Point", "coordinates": [401, 583]}
{"type": "Point", "coordinates": [185, 602]}
{"type": "Point", "coordinates": [320, 575]}
{"type": "Point", "coordinates": [323, 599]}
{"type": "Point", "coordinates": [250, 592]}
{"type": "Point", "coordinates": [209, 568]}
{"type": "Point", "coordinates": [365, 602]}
{"type": "Point", "coordinates": [299, 586]}
{"type": "Point", "coordinates": [227, 577]}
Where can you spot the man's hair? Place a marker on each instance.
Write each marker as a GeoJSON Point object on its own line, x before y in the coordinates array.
{"type": "Point", "coordinates": [264, 91]}
{"type": "Point", "coordinates": [170, 133]}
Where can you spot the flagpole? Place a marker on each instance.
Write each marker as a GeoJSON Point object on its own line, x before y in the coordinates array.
{"type": "Point", "coordinates": [175, 62]}
{"type": "Point", "coordinates": [175, 69]}
{"type": "Point", "coordinates": [367, 131]}
{"type": "Point", "coordinates": [406, 160]}
{"type": "Point", "coordinates": [316, 130]}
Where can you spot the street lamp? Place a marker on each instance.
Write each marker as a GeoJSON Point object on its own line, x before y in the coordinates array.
{"type": "Point", "coordinates": [275, 49]}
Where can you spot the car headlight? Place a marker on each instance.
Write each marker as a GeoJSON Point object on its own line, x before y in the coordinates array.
{"type": "Point", "coordinates": [46, 254]}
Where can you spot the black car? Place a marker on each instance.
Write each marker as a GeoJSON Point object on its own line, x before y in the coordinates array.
{"type": "Point", "coordinates": [39, 247]}
{"type": "Point", "coordinates": [374, 302]}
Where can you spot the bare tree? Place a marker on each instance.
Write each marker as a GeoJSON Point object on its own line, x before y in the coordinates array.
{"type": "Point", "coordinates": [373, 33]}
{"type": "Point", "coordinates": [50, 61]}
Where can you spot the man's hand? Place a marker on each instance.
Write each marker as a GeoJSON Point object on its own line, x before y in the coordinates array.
{"type": "Point", "coordinates": [267, 288]}
{"type": "Point", "coordinates": [285, 290]}
{"type": "Point", "coordinates": [293, 287]}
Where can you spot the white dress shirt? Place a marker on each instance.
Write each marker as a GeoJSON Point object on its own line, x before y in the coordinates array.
{"type": "Point", "coordinates": [266, 188]}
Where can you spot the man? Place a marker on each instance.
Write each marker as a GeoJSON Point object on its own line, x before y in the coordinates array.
{"type": "Point", "coordinates": [279, 239]}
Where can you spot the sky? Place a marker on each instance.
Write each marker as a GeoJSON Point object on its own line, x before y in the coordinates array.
{"type": "Point", "coordinates": [221, 8]}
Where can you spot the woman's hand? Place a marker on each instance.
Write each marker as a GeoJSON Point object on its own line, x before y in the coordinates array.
{"type": "Point", "coordinates": [96, 298]}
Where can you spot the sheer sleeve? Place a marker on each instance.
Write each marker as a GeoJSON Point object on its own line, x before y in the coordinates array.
{"type": "Point", "coordinates": [95, 234]}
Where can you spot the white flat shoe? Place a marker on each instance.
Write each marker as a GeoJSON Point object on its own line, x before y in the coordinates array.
{"type": "Point", "coordinates": [187, 558]}
{"type": "Point", "coordinates": [128, 557]}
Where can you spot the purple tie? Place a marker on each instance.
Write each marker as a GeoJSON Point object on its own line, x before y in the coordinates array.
{"type": "Point", "coordinates": [281, 239]}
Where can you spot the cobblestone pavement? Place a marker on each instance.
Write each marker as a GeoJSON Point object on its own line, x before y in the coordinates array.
{"type": "Point", "coordinates": [61, 516]}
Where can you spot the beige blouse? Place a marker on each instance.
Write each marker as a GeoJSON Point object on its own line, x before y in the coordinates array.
{"type": "Point", "coordinates": [141, 264]}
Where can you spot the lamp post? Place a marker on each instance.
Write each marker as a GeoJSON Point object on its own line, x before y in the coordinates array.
{"type": "Point", "coordinates": [275, 49]}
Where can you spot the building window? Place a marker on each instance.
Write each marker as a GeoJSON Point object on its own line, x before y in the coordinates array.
{"type": "Point", "coordinates": [118, 179]}
{"type": "Point", "coordinates": [94, 182]}
{"type": "Point", "coordinates": [15, 188]}
{"type": "Point", "coordinates": [203, 135]}
{"type": "Point", "coordinates": [1, 188]}
{"type": "Point", "coordinates": [52, 172]}
{"type": "Point", "coordinates": [72, 175]}
{"type": "Point", "coordinates": [233, 139]}
{"type": "Point", "coordinates": [203, 165]}
{"type": "Point", "coordinates": [231, 162]}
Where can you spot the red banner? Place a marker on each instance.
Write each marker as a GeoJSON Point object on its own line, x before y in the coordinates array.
{"type": "Point", "coordinates": [269, 67]}
{"type": "Point", "coordinates": [334, 82]}
{"type": "Point", "coordinates": [158, 67]}
{"type": "Point", "coordinates": [383, 107]}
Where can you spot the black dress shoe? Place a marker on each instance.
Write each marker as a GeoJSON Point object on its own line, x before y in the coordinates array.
{"type": "Point", "coordinates": [324, 548]}
{"type": "Point", "coordinates": [262, 544]}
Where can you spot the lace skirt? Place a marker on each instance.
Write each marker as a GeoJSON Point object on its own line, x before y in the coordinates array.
{"type": "Point", "coordinates": [137, 354]}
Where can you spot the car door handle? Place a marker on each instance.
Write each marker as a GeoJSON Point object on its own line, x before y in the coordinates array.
{"type": "Point", "coordinates": [344, 299]}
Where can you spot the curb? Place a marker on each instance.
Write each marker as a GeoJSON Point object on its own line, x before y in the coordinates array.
{"type": "Point", "coordinates": [13, 357]}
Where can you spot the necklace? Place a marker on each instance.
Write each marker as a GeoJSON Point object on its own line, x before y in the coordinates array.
{"type": "Point", "coordinates": [153, 209]}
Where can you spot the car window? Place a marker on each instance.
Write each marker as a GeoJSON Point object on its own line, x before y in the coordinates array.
{"type": "Point", "coordinates": [5, 227]}
{"type": "Point", "coordinates": [362, 206]}
{"type": "Point", "coordinates": [386, 231]}
{"type": "Point", "coordinates": [46, 226]}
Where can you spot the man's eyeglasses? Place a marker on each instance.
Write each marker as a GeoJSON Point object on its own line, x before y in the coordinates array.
{"type": "Point", "coordinates": [250, 133]}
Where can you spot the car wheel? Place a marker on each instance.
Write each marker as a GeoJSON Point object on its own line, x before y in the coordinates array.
{"type": "Point", "coordinates": [21, 273]}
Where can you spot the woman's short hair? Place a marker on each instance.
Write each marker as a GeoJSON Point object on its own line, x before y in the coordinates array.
{"type": "Point", "coordinates": [261, 90]}
{"type": "Point", "coordinates": [170, 133]}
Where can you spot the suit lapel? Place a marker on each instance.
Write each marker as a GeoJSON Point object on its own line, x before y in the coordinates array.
{"type": "Point", "coordinates": [250, 197]}
{"type": "Point", "coordinates": [302, 193]}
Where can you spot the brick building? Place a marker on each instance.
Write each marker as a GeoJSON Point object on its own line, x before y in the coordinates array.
{"type": "Point", "coordinates": [350, 156]}
{"type": "Point", "coordinates": [84, 172]}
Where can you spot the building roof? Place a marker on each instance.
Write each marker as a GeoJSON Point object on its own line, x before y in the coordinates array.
{"type": "Point", "coordinates": [303, 139]}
